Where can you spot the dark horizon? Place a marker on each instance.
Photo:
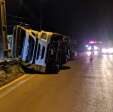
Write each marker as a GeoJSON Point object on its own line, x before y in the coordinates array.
{"type": "Point", "coordinates": [80, 19]}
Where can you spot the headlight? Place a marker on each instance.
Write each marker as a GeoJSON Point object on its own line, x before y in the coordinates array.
{"type": "Point", "coordinates": [89, 48]}
{"type": "Point", "coordinates": [109, 50]}
{"type": "Point", "coordinates": [95, 48]}
{"type": "Point", "coordinates": [104, 50]}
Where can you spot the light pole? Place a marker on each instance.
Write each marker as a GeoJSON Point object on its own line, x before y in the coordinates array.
{"type": "Point", "coordinates": [3, 27]}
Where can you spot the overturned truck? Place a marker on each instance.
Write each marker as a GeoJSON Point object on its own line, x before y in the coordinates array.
{"type": "Point", "coordinates": [40, 51]}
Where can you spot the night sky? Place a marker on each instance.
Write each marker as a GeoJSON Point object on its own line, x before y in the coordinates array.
{"type": "Point", "coordinates": [82, 19]}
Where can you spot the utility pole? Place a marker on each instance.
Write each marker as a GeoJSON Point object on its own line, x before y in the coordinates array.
{"type": "Point", "coordinates": [3, 28]}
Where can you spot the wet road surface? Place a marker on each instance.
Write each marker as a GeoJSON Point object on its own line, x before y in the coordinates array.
{"type": "Point", "coordinates": [85, 87]}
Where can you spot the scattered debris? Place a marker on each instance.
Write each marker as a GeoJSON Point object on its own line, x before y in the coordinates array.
{"type": "Point", "coordinates": [9, 70]}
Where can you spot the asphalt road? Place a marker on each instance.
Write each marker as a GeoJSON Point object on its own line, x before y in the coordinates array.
{"type": "Point", "coordinates": [85, 87]}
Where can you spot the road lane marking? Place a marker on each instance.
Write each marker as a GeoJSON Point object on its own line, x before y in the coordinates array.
{"type": "Point", "coordinates": [13, 85]}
